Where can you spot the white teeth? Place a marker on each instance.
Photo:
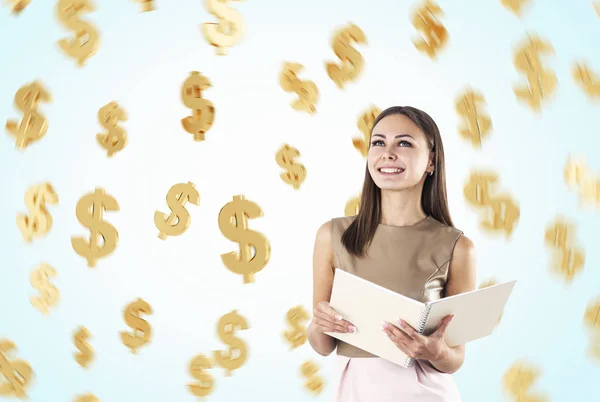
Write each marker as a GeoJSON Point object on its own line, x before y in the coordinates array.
{"type": "Point", "coordinates": [391, 170]}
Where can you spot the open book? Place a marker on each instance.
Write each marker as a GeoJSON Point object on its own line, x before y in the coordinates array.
{"type": "Point", "coordinates": [366, 305]}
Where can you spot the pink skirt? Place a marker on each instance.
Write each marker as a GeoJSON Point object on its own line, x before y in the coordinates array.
{"type": "Point", "coordinates": [372, 379]}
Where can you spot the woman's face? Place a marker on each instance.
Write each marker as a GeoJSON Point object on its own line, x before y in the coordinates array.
{"type": "Point", "coordinates": [397, 143]}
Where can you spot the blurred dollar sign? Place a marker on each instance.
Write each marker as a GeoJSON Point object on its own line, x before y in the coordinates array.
{"type": "Point", "coordinates": [39, 221]}
{"type": "Point", "coordinates": [203, 111]}
{"type": "Point", "coordinates": [365, 125]}
{"type": "Point", "coordinates": [233, 223]}
{"type": "Point", "coordinates": [352, 206]}
{"type": "Point", "coordinates": [476, 124]}
{"type": "Point", "coordinates": [147, 5]}
{"type": "Point", "coordinates": [228, 31]}
{"type": "Point", "coordinates": [425, 19]}
{"type": "Point", "coordinates": [34, 125]}
{"type": "Point", "coordinates": [568, 259]}
{"type": "Point", "coordinates": [352, 62]}
{"type": "Point", "coordinates": [86, 41]}
{"type": "Point", "coordinates": [297, 336]}
{"type": "Point", "coordinates": [177, 222]}
{"type": "Point", "coordinates": [587, 79]}
{"type": "Point", "coordinates": [40, 280]}
{"type": "Point", "coordinates": [19, 5]}
{"type": "Point", "coordinates": [141, 328]}
{"type": "Point", "coordinates": [109, 117]}
{"type": "Point", "coordinates": [89, 212]}
{"type": "Point", "coordinates": [314, 383]}
{"type": "Point", "coordinates": [541, 82]}
{"type": "Point", "coordinates": [518, 382]}
{"type": "Point", "coordinates": [516, 6]}
{"type": "Point", "coordinates": [198, 367]}
{"type": "Point", "coordinates": [295, 173]}
{"type": "Point", "coordinates": [226, 330]}
{"type": "Point", "coordinates": [592, 315]}
{"type": "Point", "coordinates": [86, 398]}
{"type": "Point", "coordinates": [306, 90]}
{"type": "Point", "coordinates": [86, 353]}
{"type": "Point", "coordinates": [17, 373]}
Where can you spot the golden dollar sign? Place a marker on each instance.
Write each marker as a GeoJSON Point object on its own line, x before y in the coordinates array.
{"type": "Point", "coordinates": [131, 315]}
{"type": "Point", "coordinates": [40, 280]}
{"type": "Point", "coordinates": [592, 315]}
{"type": "Point", "coordinates": [233, 223]}
{"type": "Point", "coordinates": [295, 173]}
{"type": "Point", "coordinates": [18, 373]}
{"type": "Point", "coordinates": [365, 125]}
{"type": "Point", "coordinates": [297, 336]}
{"type": "Point", "coordinates": [575, 171]}
{"type": "Point", "coordinates": [228, 31]}
{"type": "Point", "coordinates": [590, 191]}
{"type": "Point", "coordinates": [19, 5]}
{"type": "Point", "coordinates": [568, 259]}
{"type": "Point", "coordinates": [197, 368]}
{"type": "Point", "coordinates": [352, 62]}
{"type": "Point", "coordinates": [226, 330]}
{"type": "Point", "coordinates": [86, 398]}
{"type": "Point", "coordinates": [39, 222]}
{"type": "Point", "coordinates": [109, 117]}
{"type": "Point", "coordinates": [476, 124]}
{"type": "Point", "coordinates": [314, 383]}
{"type": "Point", "coordinates": [353, 206]}
{"type": "Point", "coordinates": [586, 79]}
{"type": "Point", "coordinates": [89, 212]}
{"type": "Point", "coordinates": [518, 381]}
{"type": "Point", "coordinates": [425, 19]}
{"type": "Point", "coordinates": [86, 353]}
{"type": "Point", "coordinates": [86, 41]}
{"type": "Point", "coordinates": [593, 349]}
{"type": "Point", "coordinates": [515, 6]}
{"type": "Point", "coordinates": [177, 222]}
{"type": "Point", "coordinates": [203, 110]}
{"type": "Point", "coordinates": [34, 125]}
{"type": "Point", "coordinates": [306, 90]}
{"type": "Point", "coordinates": [541, 82]}
{"type": "Point", "coordinates": [147, 5]}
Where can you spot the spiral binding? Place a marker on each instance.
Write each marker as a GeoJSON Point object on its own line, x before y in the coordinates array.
{"type": "Point", "coordinates": [409, 362]}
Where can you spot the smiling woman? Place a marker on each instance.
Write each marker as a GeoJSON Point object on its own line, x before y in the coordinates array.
{"type": "Point", "coordinates": [403, 239]}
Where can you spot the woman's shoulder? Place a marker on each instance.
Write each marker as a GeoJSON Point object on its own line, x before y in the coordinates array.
{"type": "Point", "coordinates": [335, 225]}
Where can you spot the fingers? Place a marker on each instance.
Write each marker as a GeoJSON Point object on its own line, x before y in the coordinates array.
{"type": "Point", "coordinates": [329, 320]}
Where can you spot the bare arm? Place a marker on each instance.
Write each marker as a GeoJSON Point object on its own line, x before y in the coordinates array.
{"type": "Point", "coordinates": [461, 279]}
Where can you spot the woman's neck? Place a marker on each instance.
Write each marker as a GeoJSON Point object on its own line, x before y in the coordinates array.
{"type": "Point", "coordinates": [401, 208]}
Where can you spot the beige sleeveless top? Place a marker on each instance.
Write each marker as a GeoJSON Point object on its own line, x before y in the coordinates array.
{"type": "Point", "coordinates": [411, 260]}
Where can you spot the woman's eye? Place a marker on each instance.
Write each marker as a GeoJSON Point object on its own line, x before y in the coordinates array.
{"type": "Point", "coordinates": [405, 143]}
{"type": "Point", "coordinates": [376, 142]}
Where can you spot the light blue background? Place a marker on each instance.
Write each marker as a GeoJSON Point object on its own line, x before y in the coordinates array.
{"type": "Point", "coordinates": [142, 61]}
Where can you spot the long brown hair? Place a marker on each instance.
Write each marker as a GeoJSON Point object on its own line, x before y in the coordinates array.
{"type": "Point", "coordinates": [433, 200]}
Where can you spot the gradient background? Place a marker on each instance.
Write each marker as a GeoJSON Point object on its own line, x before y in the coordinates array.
{"type": "Point", "coordinates": [142, 62]}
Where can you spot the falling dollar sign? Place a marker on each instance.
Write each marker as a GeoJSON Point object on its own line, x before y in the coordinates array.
{"type": "Point", "coordinates": [518, 381]}
{"type": "Point", "coordinates": [19, 5]}
{"type": "Point", "coordinates": [587, 79]}
{"type": "Point", "coordinates": [86, 353]}
{"type": "Point", "coordinates": [425, 19]}
{"type": "Point", "coordinates": [233, 222]}
{"type": "Point", "coordinates": [365, 125]}
{"type": "Point", "coordinates": [297, 336]}
{"type": "Point", "coordinates": [203, 110]}
{"type": "Point", "coordinates": [34, 125]}
{"type": "Point", "coordinates": [109, 117]}
{"type": "Point", "coordinates": [39, 222]}
{"type": "Point", "coordinates": [568, 259]}
{"type": "Point", "coordinates": [177, 222]}
{"type": "Point", "coordinates": [352, 62]}
{"type": "Point", "coordinates": [592, 315]}
{"type": "Point", "coordinates": [314, 383]}
{"type": "Point", "coordinates": [198, 367]}
{"type": "Point", "coordinates": [306, 90]}
{"type": "Point", "coordinates": [86, 398]}
{"type": "Point", "coordinates": [516, 6]}
{"type": "Point", "coordinates": [86, 41]}
{"type": "Point", "coordinates": [131, 315]}
{"type": "Point", "coordinates": [476, 124]}
{"type": "Point", "coordinates": [503, 211]}
{"type": "Point", "coordinates": [226, 330]}
{"type": "Point", "coordinates": [225, 33]}
{"type": "Point", "coordinates": [18, 373]}
{"type": "Point", "coordinates": [541, 82]}
{"type": "Point", "coordinates": [295, 174]}
{"type": "Point", "coordinates": [147, 5]}
{"type": "Point", "coordinates": [40, 280]}
{"type": "Point", "coordinates": [352, 206]}
{"type": "Point", "coordinates": [89, 212]}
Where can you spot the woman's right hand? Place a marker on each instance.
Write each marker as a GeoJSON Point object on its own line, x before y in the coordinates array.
{"type": "Point", "coordinates": [326, 319]}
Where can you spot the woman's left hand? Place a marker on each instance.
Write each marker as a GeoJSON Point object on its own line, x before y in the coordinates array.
{"type": "Point", "coordinates": [427, 347]}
